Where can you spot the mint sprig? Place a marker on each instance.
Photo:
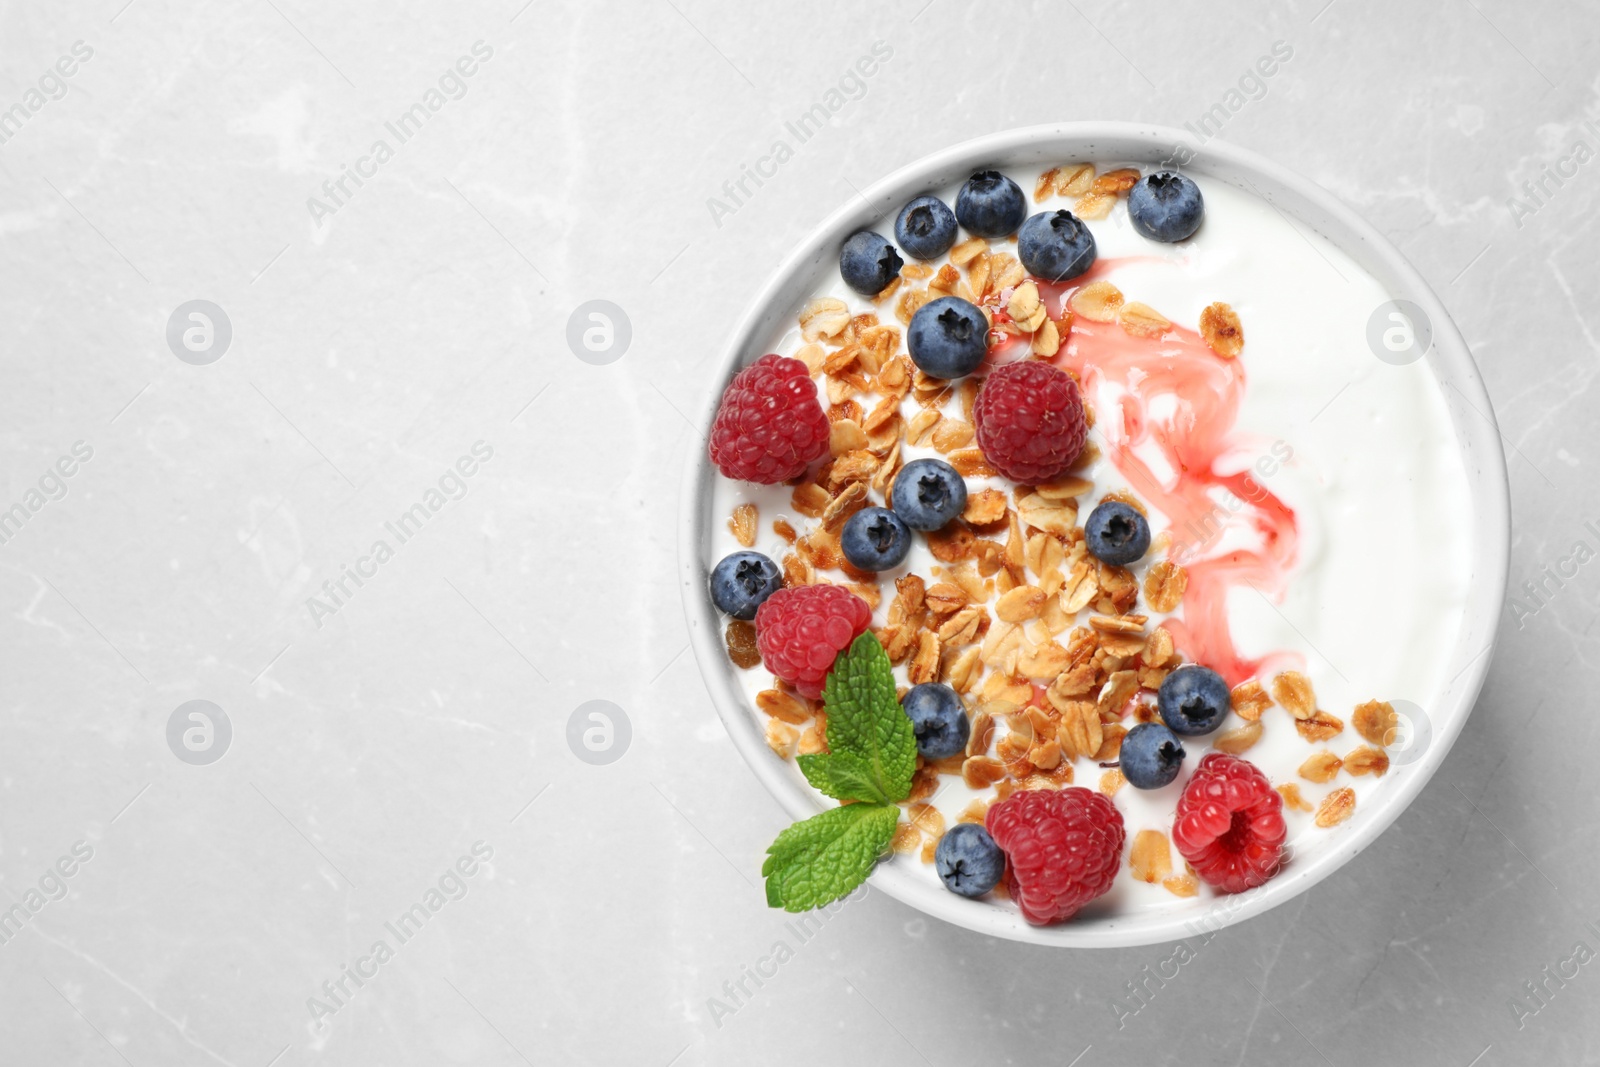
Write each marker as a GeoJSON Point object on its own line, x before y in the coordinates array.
{"type": "Point", "coordinates": [871, 758]}
{"type": "Point", "coordinates": [816, 862]}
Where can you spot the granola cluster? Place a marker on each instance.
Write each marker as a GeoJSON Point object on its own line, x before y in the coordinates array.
{"type": "Point", "coordinates": [1052, 650]}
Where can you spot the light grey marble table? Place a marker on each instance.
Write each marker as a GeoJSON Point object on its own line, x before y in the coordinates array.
{"type": "Point", "coordinates": [397, 323]}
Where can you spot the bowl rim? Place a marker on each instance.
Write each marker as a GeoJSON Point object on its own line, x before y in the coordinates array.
{"type": "Point", "coordinates": [1450, 360]}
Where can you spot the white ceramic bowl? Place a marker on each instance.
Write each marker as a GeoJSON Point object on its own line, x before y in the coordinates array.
{"type": "Point", "coordinates": [803, 271]}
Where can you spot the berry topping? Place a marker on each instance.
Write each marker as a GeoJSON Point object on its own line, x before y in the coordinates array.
{"type": "Point", "coordinates": [1055, 246]}
{"type": "Point", "coordinates": [990, 205]}
{"type": "Point", "coordinates": [868, 263]}
{"type": "Point", "coordinates": [927, 494]}
{"type": "Point", "coordinates": [742, 581]}
{"type": "Point", "coordinates": [938, 719]}
{"type": "Point", "coordinates": [968, 860]}
{"type": "Point", "coordinates": [1165, 206]}
{"type": "Point", "coordinates": [769, 426]}
{"type": "Point", "coordinates": [948, 337]}
{"type": "Point", "coordinates": [875, 539]}
{"type": "Point", "coordinates": [1230, 824]}
{"type": "Point", "coordinates": [1193, 700]}
{"type": "Point", "coordinates": [1063, 849]}
{"type": "Point", "coordinates": [1116, 533]}
{"type": "Point", "coordinates": [1030, 422]}
{"type": "Point", "coordinates": [926, 228]}
{"type": "Point", "coordinates": [1151, 756]}
{"type": "Point", "coordinates": [801, 631]}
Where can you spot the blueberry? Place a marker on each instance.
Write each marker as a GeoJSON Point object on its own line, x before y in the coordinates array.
{"type": "Point", "coordinates": [875, 539]}
{"type": "Point", "coordinates": [968, 860]}
{"type": "Point", "coordinates": [938, 720]}
{"type": "Point", "coordinates": [742, 581]}
{"type": "Point", "coordinates": [1193, 700]}
{"type": "Point", "coordinates": [868, 263]}
{"type": "Point", "coordinates": [927, 494]}
{"type": "Point", "coordinates": [1116, 533]}
{"type": "Point", "coordinates": [948, 337]}
{"type": "Point", "coordinates": [990, 205]}
{"type": "Point", "coordinates": [1165, 206]}
{"type": "Point", "coordinates": [1055, 246]}
{"type": "Point", "coordinates": [926, 228]}
{"type": "Point", "coordinates": [1152, 756]}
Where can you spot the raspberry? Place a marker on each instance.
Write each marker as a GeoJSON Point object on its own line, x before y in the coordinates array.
{"type": "Point", "coordinates": [1229, 824]}
{"type": "Point", "coordinates": [1063, 849]}
{"type": "Point", "coordinates": [801, 631]}
{"type": "Point", "coordinates": [1030, 423]}
{"type": "Point", "coordinates": [769, 426]}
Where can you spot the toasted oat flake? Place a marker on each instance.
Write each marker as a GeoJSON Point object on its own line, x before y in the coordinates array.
{"type": "Point", "coordinates": [1094, 206]}
{"type": "Point", "coordinates": [1022, 603]}
{"type": "Point", "coordinates": [1110, 743]}
{"type": "Point", "coordinates": [1026, 309]}
{"type": "Point", "coordinates": [1367, 760]}
{"type": "Point", "coordinates": [927, 818]}
{"type": "Point", "coordinates": [1158, 650]}
{"type": "Point", "coordinates": [1321, 767]}
{"type": "Point", "coordinates": [845, 436]}
{"type": "Point", "coordinates": [981, 772]}
{"type": "Point", "coordinates": [1182, 885]}
{"type": "Point", "coordinates": [924, 665]}
{"type": "Point", "coordinates": [1164, 585]}
{"type": "Point", "coordinates": [1097, 301]}
{"type": "Point", "coordinates": [951, 434]}
{"type": "Point", "coordinates": [1142, 320]}
{"type": "Point", "coordinates": [1220, 327]}
{"type": "Point", "coordinates": [965, 252]}
{"type": "Point", "coordinates": [1046, 755]}
{"type": "Point", "coordinates": [1120, 624]}
{"type": "Point", "coordinates": [1119, 689]}
{"type": "Point", "coordinates": [1250, 700]}
{"type": "Point", "coordinates": [1320, 727]}
{"type": "Point", "coordinates": [1046, 339]}
{"type": "Point", "coordinates": [1116, 182]}
{"type": "Point", "coordinates": [743, 525]}
{"type": "Point", "coordinates": [976, 812]}
{"type": "Point", "coordinates": [849, 501]}
{"type": "Point", "coordinates": [1290, 792]}
{"type": "Point", "coordinates": [781, 737]}
{"type": "Point", "coordinates": [809, 499]}
{"type": "Point", "coordinates": [811, 742]}
{"type": "Point", "coordinates": [1111, 781]}
{"type": "Point", "coordinates": [1150, 856]}
{"type": "Point", "coordinates": [1239, 739]}
{"type": "Point", "coordinates": [1005, 271]}
{"type": "Point", "coordinates": [969, 463]}
{"type": "Point", "coordinates": [1293, 690]}
{"type": "Point", "coordinates": [1075, 179]}
{"type": "Point", "coordinates": [1080, 730]}
{"type": "Point", "coordinates": [825, 316]}
{"type": "Point", "coordinates": [1376, 722]}
{"type": "Point", "coordinates": [982, 732]}
{"type": "Point", "coordinates": [782, 705]}
{"type": "Point", "coordinates": [1336, 807]}
{"type": "Point", "coordinates": [1068, 488]}
{"type": "Point", "coordinates": [1051, 516]}
{"type": "Point", "coordinates": [907, 839]}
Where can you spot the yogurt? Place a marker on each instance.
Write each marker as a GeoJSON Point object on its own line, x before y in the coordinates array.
{"type": "Point", "coordinates": [1330, 537]}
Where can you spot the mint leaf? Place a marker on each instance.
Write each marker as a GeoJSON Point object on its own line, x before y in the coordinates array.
{"type": "Point", "coordinates": [865, 719]}
{"type": "Point", "coordinates": [816, 862]}
{"type": "Point", "coordinates": [842, 776]}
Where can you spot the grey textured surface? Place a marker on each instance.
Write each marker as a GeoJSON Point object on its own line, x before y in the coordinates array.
{"type": "Point", "coordinates": [374, 347]}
